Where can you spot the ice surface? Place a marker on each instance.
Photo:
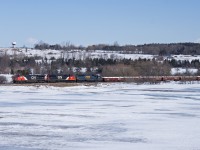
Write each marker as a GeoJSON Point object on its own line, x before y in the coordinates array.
{"type": "Point", "coordinates": [101, 117]}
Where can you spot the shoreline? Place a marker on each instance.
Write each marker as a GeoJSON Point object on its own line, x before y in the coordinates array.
{"type": "Point", "coordinates": [57, 84]}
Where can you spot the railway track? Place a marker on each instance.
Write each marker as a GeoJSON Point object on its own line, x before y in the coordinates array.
{"type": "Point", "coordinates": [151, 78]}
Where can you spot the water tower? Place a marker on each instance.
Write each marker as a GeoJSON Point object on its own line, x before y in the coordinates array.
{"type": "Point", "coordinates": [13, 44]}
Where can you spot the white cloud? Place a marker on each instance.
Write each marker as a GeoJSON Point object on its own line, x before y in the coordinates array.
{"type": "Point", "coordinates": [198, 40]}
{"type": "Point", "coordinates": [31, 41]}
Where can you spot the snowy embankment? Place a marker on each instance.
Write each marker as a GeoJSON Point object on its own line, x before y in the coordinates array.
{"type": "Point", "coordinates": [103, 117]}
{"type": "Point", "coordinates": [8, 77]}
{"type": "Point", "coordinates": [175, 71]}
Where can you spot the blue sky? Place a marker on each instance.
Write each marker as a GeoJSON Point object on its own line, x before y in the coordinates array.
{"type": "Point", "coordinates": [86, 22]}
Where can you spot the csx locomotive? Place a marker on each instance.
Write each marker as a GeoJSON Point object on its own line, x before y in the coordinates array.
{"type": "Point", "coordinates": [56, 78]}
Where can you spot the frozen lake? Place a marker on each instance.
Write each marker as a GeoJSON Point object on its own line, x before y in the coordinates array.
{"type": "Point", "coordinates": [103, 117]}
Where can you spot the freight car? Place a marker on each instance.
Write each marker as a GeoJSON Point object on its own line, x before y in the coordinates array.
{"type": "Point", "coordinates": [113, 79]}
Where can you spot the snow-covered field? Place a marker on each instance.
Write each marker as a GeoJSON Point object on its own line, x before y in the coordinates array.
{"type": "Point", "coordinates": [101, 117]}
{"type": "Point", "coordinates": [79, 54]}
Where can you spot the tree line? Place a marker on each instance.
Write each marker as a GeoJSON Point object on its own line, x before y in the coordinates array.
{"type": "Point", "coordinates": [105, 67]}
{"type": "Point", "coordinates": [154, 49]}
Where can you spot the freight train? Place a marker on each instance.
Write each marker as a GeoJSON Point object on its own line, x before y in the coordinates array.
{"type": "Point", "coordinates": [48, 78]}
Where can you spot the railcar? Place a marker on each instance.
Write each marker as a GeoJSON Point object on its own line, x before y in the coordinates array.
{"type": "Point", "coordinates": [60, 78]}
{"type": "Point", "coordinates": [28, 78]}
{"type": "Point", "coordinates": [113, 79]}
{"type": "Point", "coordinates": [88, 78]}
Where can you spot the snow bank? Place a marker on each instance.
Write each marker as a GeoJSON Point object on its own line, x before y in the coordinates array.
{"type": "Point", "coordinates": [8, 77]}
{"type": "Point", "coordinates": [183, 70]}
